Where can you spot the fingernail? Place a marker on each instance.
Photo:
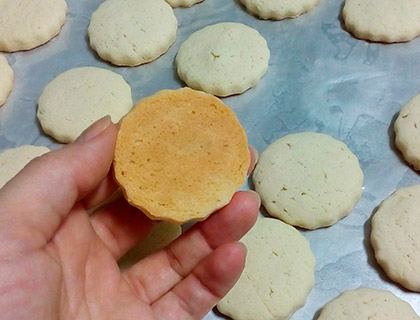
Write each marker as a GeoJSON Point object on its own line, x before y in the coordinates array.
{"type": "Point", "coordinates": [243, 246]}
{"type": "Point", "coordinates": [254, 159]}
{"type": "Point", "coordinates": [94, 129]}
{"type": "Point", "coordinates": [255, 195]}
{"type": "Point", "coordinates": [255, 152]}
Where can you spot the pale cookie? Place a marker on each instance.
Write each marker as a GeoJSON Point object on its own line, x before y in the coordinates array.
{"type": "Point", "coordinates": [180, 155]}
{"type": "Point", "coordinates": [14, 160]}
{"type": "Point", "coordinates": [132, 32]}
{"type": "Point", "coordinates": [278, 275]}
{"type": "Point", "coordinates": [223, 59]}
{"type": "Point", "coordinates": [26, 24]}
{"type": "Point", "coordinates": [382, 20]}
{"type": "Point", "coordinates": [6, 79]}
{"type": "Point", "coordinates": [308, 179]}
{"type": "Point", "coordinates": [407, 132]}
{"type": "Point", "coordinates": [160, 236]}
{"type": "Point", "coordinates": [78, 97]}
{"type": "Point", "coordinates": [279, 9]}
{"type": "Point", "coordinates": [182, 3]}
{"type": "Point", "coordinates": [395, 237]}
{"type": "Point", "coordinates": [367, 304]}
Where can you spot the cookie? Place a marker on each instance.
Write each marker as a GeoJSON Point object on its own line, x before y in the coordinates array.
{"type": "Point", "coordinates": [132, 32]}
{"type": "Point", "coordinates": [407, 132]}
{"type": "Point", "coordinates": [278, 274]}
{"type": "Point", "coordinates": [182, 3]}
{"type": "Point", "coordinates": [367, 303]}
{"type": "Point", "coordinates": [78, 97]}
{"type": "Point", "coordinates": [395, 237]}
{"type": "Point", "coordinates": [180, 155]}
{"type": "Point", "coordinates": [14, 160]}
{"type": "Point", "coordinates": [279, 9]}
{"type": "Point", "coordinates": [26, 24]}
{"type": "Point", "coordinates": [160, 236]}
{"type": "Point", "coordinates": [223, 59]}
{"type": "Point", "coordinates": [6, 79]}
{"type": "Point", "coordinates": [308, 179]}
{"type": "Point", "coordinates": [382, 20]}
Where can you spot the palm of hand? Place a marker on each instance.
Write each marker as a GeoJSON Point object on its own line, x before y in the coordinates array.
{"type": "Point", "coordinates": [57, 262]}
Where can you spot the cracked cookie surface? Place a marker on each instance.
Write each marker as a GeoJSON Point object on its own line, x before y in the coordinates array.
{"type": "Point", "coordinates": [395, 237]}
{"type": "Point", "coordinates": [78, 97]}
{"type": "Point", "coordinates": [382, 20]}
{"type": "Point", "coordinates": [279, 9]}
{"type": "Point", "coordinates": [367, 303]}
{"type": "Point", "coordinates": [308, 179]}
{"type": "Point", "coordinates": [407, 132]}
{"type": "Point", "coordinates": [132, 32]}
{"type": "Point", "coordinates": [26, 24]}
{"type": "Point", "coordinates": [278, 275]}
{"type": "Point", "coordinates": [223, 59]}
{"type": "Point", "coordinates": [6, 79]}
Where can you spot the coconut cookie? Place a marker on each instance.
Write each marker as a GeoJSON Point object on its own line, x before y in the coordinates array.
{"type": "Point", "coordinates": [367, 303]}
{"type": "Point", "coordinates": [6, 79]}
{"type": "Point", "coordinates": [161, 236]}
{"type": "Point", "coordinates": [26, 24]}
{"type": "Point", "coordinates": [382, 20]}
{"type": "Point", "coordinates": [14, 160]}
{"type": "Point", "coordinates": [279, 9]}
{"type": "Point", "coordinates": [308, 179]}
{"type": "Point", "coordinates": [278, 274]}
{"type": "Point", "coordinates": [223, 59]}
{"type": "Point", "coordinates": [78, 97]}
{"type": "Point", "coordinates": [182, 3]}
{"type": "Point", "coordinates": [180, 155]}
{"type": "Point", "coordinates": [132, 32]}
{"type": "Point", "coordinates": [395, 237]}
{"type": "Point", "coordinates": [407, 132]}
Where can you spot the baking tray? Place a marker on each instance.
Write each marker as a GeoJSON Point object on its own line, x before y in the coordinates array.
{"type": "Point", "coordinates": [320, 79]}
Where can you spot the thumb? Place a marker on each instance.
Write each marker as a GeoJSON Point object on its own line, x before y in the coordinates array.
{"type": "Point", "coordinates": [45, 191]}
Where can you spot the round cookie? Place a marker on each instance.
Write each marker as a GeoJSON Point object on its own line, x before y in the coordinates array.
{"type": "Point", "coordinates": [182, 3]}
{"type": "Point", "coordinates": [14, 160]}
{"type": "Point", "coordinates": [26, 24]}
{"type": "Point", "coordinates": [278, 274]}
{"type": "Point", "coordinates": [395, 237]}
{"type": "Point", "coordinates": [6, 80]}
{"type": "Point", "coordinates": [279, 9]}
{"type": "Point", "coordinates": [180, 155]}
{"type": "Point", "coordinates": [367, 303]}
{"type": "Point", "coordinates": [407, 132]}
{"type": "Point", "coordinates": [382, 20]}
{"type": "Point", "coordinates": [160, 236]}
{"type": "Point", "coordinates": [223, 59]}
{"type": "Point", "coordinates": [308, 179]}
{"type": "Point", "coordinates": [78, 97]}
{"type": "Point", "coordinates": [132, 32]}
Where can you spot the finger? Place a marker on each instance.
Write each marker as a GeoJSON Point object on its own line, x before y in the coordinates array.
{"type": "Point", "coordinates": [102, 193]}
{"type": "Point", "coordinates": [254, 159]}
{"type": "Point", "coordinates": [211, 280]}
{"type": "Point", "coordinates": [34, 203]}
{"type": "Point", "coordinates": [155, 275]}
{"type": "Point", "coordinates": [120, 226]}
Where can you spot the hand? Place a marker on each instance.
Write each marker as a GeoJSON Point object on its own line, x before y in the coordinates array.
{"type": "Point", "coordinates": [57, 262]}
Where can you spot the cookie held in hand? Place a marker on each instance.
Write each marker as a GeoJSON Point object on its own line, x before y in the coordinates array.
{"type": "Point", "coordinates": [180, 155]}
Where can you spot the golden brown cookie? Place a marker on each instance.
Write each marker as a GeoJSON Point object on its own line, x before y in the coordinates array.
{"type": "Point", "coordinates": [180, 155]}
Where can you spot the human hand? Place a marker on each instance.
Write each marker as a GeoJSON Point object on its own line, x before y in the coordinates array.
{"type": "Point", "coordinates": [57, 262]}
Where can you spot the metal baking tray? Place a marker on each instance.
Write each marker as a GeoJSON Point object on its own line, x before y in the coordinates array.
{"type": "Point", "coordinates": [320, 79]}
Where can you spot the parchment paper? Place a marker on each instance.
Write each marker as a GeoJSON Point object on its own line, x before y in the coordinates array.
{"type": "Point", "coordinates": [320, 79]}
